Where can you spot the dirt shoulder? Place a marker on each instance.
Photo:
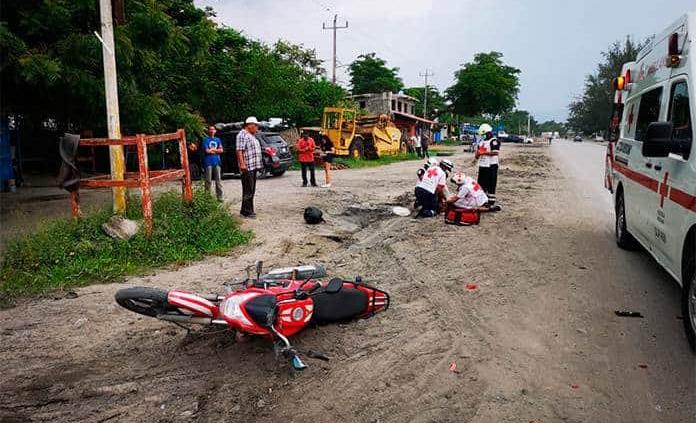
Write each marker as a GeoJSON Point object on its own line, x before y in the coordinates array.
{"type": "Point", "coordinates": [521, 343]}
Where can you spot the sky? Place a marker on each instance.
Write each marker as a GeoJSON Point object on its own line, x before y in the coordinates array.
{"type": "Point", "coordinates": [555, 43]}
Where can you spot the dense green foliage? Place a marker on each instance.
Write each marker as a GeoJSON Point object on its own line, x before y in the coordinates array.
{"type": "Point", "coordinates": [176, 68]}
{"type": "Point", "coordinates": [65, 253]}
{"type": "Point", "coordinates": [436, 103]}
{"type": "Point", "coordinates": [484, 86]}
{"type": "Point", "coordinates": [591, 112]}
{"type": "Point", "coordinates": [515, 122]}
{"type": "Point", "coordinates": [370, 74]}
{"type": "Point", "coordinates": [551, 126]}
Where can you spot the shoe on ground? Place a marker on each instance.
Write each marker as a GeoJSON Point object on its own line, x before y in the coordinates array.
{"type": "Point", "coordinates": [249, 216]}
{"type": "Point", "coordinates": [304, 185]}
{"type": "Point", "coordinates": [326, 186]}
{"type": "Point", "coordinates": [314, 185]}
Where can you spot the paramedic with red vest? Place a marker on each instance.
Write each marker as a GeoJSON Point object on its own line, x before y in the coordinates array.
{"type": "Point", "coordinates": [487, 155]}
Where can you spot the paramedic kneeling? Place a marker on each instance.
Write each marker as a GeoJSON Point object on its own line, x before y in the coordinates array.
{"type": "Point", "coordinates": [469, 194]}
{"type": "Point", "coordinates": [432, 188]}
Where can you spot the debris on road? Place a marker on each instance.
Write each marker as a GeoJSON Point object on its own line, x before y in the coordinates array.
{"type": "Point", "coordinates": [628, 314]}
{"type": "Point", "coordinates": [453, 368]}
{"type": "Point", "coordinates": [471, 286]}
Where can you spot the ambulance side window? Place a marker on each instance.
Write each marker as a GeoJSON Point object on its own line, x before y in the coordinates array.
{"type": "Point", "coordinates": [680, 112]}
{"type": "Point", "coordinates": [629, 120]}
{"type": "Point", "coordinates": [648, 112]}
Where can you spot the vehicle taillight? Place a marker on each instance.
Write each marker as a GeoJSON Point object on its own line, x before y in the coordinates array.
{"type": "Point", "coordinates": [271, 151]}
{"type": "Point", "coordinates": [627, 77]}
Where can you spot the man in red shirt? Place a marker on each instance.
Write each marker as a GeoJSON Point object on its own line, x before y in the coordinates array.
{"type": "Point", "coordinates": [305, 148]}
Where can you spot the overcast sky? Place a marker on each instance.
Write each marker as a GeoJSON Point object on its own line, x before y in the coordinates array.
{"type": "Point", "coordinates": [554, 42]}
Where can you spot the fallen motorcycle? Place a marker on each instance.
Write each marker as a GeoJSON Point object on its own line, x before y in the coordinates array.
{"type": "Point", "coordinates": [276, 305]}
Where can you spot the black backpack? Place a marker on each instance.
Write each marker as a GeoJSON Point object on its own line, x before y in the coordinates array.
{"type": "Point", "coordinates": [313, 215]}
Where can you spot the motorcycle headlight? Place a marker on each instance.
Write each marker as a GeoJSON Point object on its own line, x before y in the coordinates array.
{"type": "Point", "coordinates": [232, 308]}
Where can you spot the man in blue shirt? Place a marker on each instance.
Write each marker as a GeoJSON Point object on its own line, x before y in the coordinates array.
{"type": "Point", "coordinates": [212, 148]}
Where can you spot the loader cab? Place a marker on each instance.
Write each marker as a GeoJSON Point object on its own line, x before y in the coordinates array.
{"type": "Point", "coordinates": [652, 165]}
{"type": "Point", "coordinates": [339, 125]}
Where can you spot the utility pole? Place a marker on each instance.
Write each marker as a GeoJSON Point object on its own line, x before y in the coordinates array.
{"type": "Point", "coordinates": [112, 116]}
{"type": "Point", "coordinates": [334, 28]}
{"type": "Point", "coordinates": [425, 96]}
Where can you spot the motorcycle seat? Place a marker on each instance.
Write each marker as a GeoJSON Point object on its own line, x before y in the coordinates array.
{"type": "Point", "coordinates": [341, 306]}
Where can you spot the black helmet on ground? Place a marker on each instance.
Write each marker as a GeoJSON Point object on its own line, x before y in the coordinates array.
{"type": "Point", "coordinates": [313, 215]}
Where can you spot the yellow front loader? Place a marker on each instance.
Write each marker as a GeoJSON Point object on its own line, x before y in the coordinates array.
{"type": "Point", "coordinates": [360, 137]}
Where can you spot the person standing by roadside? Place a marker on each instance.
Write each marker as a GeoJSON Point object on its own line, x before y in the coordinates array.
{"type": "Point", "coordinates": [415, 141]}
{"type": "Point", "coordinates": [212, 148]}
{"type": "Point", "coordinates": [328, 150]}
{"type": "Point", "coordinates": [250, 161]}
{"type": "Point", "coordinates": [305, 148]}
{"type": "Point", "coordinates": [425, 141]}
{"type": "Point", "coordinates": [487, 155]}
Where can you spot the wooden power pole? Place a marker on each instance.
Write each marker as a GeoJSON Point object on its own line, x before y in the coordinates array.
{"type": "Point", "coordinates": [334, 28]}
{"type": "Point", "coordinates": [425, 94]}
{"type": "Point", "coordinates": [112, 115]}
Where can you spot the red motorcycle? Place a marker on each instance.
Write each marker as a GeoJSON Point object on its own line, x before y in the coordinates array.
{"type": "Point", "coordinates": [275, 305]}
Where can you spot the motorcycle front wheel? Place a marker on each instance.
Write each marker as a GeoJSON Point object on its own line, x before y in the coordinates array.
{"type": "Point", "coordinates": [149, 302]}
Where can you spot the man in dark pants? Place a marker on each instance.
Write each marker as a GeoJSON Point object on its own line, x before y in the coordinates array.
{"type": "Point", "coordinates": [487, 154]}
{"type": "Point", "coordinates": [425, 142]}
{"type": "Point", "coordinates": [250, 161]}
{"type": "Point", "coordinates": [305, 148]}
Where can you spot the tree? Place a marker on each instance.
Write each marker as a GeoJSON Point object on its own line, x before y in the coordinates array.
{"type": "Point", "coordinates": [435, 101]}
{"type": "Point", "coordinates": [515, 122]}
{"type": "Point", "coordinates": [484, 86]}
{"type": "Point", "coordinates": [591, 111]}
{"type": "Point", "coordinates": [176, 68]}
{"type": "Point", "coordinates": [370, 74]}
{"type": "Point", "coordinates": [552, 126]}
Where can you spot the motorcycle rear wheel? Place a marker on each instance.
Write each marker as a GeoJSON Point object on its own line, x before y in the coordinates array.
{"type": "Point", "coordinates": [149, 302]}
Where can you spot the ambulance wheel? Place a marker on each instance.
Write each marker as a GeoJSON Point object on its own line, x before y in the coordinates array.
{"type": "Point", "coordinates": [689, 311]}
{"type": "Point", "coordinates": [689, 296]}
{"type": "Point", "coordinates": [624, 239]}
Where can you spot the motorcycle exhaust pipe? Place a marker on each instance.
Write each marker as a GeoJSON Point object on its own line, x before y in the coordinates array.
{"type": "Point", "coordinates": [186, 319]}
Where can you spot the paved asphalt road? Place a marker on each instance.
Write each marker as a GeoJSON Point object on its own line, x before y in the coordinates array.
{"type": "Point", "coordinates": [666, 389]}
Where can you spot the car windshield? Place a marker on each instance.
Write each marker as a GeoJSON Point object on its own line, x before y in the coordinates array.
{"type": "Point", "coordinates": [274, 139]}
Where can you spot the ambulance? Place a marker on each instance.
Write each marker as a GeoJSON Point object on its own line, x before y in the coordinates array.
{"type": "Point", "coordinates": [651, 160]}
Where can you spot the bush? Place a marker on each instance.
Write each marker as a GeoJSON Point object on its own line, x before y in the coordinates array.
{"type": "Point", "coordinates": [65, 253]}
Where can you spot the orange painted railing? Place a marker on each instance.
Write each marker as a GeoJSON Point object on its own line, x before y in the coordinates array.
{"type": "Point", "coordinates": [142, 179]}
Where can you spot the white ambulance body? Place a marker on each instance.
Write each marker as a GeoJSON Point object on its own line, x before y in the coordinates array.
{"type": "Point", "coordinates": [651, 168]}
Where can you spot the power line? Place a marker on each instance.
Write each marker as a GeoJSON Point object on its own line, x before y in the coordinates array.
{"type": "Point", "coordinates": [334, 28]}
{"type": "Point", "coordinates": [425, 96]}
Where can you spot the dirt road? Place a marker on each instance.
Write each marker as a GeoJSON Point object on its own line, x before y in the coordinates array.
{"type": "Point", "coordinates": [536, 341]}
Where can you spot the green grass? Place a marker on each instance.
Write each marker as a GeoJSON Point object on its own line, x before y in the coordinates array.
{"type": "Point", "coordinates": [384, 160]}
{"type": "Point", "coordinates": [64, 253]}
{"type": "Point", "coordinates": [353, 163]}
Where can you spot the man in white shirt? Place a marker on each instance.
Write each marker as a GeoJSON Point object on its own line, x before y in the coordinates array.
{"type": "Point", "coordinates": [415, 142]}
{"type": "Point", "coordinates": [432, 188]}
{"type": "Point", "coordinates": [487, 155]}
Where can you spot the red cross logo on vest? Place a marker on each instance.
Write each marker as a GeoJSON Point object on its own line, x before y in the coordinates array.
{"type": "Point", "coordinates": [432, 172]}
{"type": "Point", "coordinates": [664, 190]}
